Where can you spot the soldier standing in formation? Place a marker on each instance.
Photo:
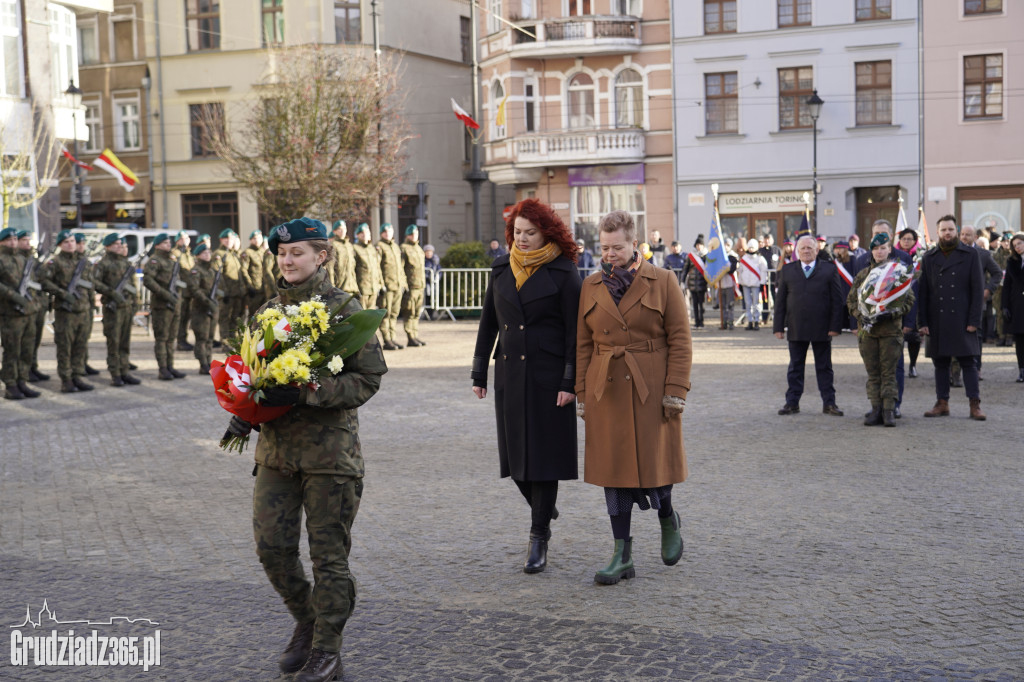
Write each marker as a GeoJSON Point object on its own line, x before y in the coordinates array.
{"type": "Point", "coordinates": [394, 285]}
{"type": "Point", "coordinates": [183, 254]}
{"type": "Point", "coordinates": [206, 304]}
{"type": "Point", "coordinates": [114, 278]}
{"type": "Point", "coordinates": [165, 280]}
{"type": "Point", "coordinates": [367, 266]}
{"type": "Point", "coordinates": [343, 272]}
{"type": "Point", "coordinates": [80, 249]}
{"type": "Point", "coordinates": [41, 303]}
{"type": "Point", "coordinates": [66, 277]}
{"type": "Point", "coordinates": [270, 275]}
{"type": "Point", "coordinates": [17, 320]}
{"type": "Point", "coordinates": [413, 263]}
{"type": "Point", "coordinates": [252, 272]}
{"type": "Point", "coordinates": [232, 307]}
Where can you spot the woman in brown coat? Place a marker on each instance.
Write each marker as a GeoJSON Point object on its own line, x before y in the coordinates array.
{"type": "Point", "coordinates": [633, 358]}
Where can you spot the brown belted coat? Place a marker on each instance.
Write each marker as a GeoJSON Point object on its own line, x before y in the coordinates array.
{"type": "Point", "coordinates": [628, 357]}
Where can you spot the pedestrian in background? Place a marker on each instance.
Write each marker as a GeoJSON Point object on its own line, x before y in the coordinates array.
{"type": "Point", "coordinates": [432, 273]}
{"type": "Point", "coordinates": [696, 283]}
{"type": "Point", "coordinates": [752, 274]}
{"type": "Point", "coordinates": [530, 308]}
{"type": "Point", "coordinates": [633, 363]}
{"type": "Point", "coordinates": [1013, 300]}
{"type": "Point", "coordinates": [908, 243]}
{"type": "Point", "coordinates": [414, 265]}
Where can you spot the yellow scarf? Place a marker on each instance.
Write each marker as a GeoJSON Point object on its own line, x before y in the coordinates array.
{"type": "Point", "coordinates": [525, 263]}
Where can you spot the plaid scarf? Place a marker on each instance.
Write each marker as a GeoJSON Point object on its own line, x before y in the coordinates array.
{"type": "Point", "coordinates": [618, 280]}
{"type": "Point", "coordinates": [525, 263]}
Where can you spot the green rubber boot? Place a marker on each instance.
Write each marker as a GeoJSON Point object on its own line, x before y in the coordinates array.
{"type": "Point", "coordinates": [621, 566]}
{"type": "Point", "coordinates": [671, 540]}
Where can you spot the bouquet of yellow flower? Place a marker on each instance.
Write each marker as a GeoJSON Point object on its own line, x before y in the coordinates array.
{"type": "Point", "coordinates": [289, 344]}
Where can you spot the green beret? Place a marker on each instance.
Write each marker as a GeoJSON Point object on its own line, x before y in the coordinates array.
{"type": "Point", "coordinates": [111, 239]}
{"type": "Point", "coordinates": [409, 230]}
{"type": "Point", "coordinates": [298, 230]}
{"type": "Point", "coordinates": [363, 227]}
{"type": "Point", "coordinates": [879, 239]}
{"type": "Point", "coordinates": [205, 238]}
{"type": "Point", "coordinates": [8, 233]}
{"type": "Point", "coordinates": [21, 234]}
{"type": "Point", "coordinates": [79, 237]}
{"type": "Point", "coordinates": [63, 236]}
{"type": "Point", "coordinates": [200, 247]}
{"type": "Point", "coordinates": [385, 226]}
{"type": "Point", "coordinates": [255, 233]}
{"type": "Point", "coordinates": [224, 234]}
{"type": "Point", "coordinates": [337, 224]}
{"type": "Point", "coordinates": [181, 235]}
{"type": "Point", "coordinates": [160, 238]}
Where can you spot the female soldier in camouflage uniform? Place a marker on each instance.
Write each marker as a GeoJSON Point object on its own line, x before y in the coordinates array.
{"type": "Point", "coordinates": [309, 459]}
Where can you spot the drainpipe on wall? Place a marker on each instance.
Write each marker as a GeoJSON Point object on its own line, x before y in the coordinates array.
{"type": "Point", "coordinates": [160, 96]}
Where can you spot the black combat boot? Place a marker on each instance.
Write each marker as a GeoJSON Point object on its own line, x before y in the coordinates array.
{"type": "Point", "coordinates": [35, 375]}
{"type": "Point", "coordinates": [389, 346]}
{"type": "Point", "coordinates": [80, 384]}
{"type": "Point", "coordinates": [888, 418]}
{"type": "Point", "coordinates": [185, 346]}
{"type": "Point", "coordinates": [26, 391]}
{"type": "Point", "coordinates": [1020, 377]}
{"type": "Point", "coordinates": [91, 371]}
{"type": "Point", "coordinates": [13, 392]}
{"type": "Point", "coordinates": [165, 374]}
{"type": "Point", "coordinates": [204, 369]}
{"type": "Point", "coordinates": [132, 366]}
{"type": "Point", "coordinates": [67, 386]}
{"type": "Point", "coordinates": [116, 380]}
{"type": "Point", "coordinates": [175, 373]}
{"type": "Point", "coordinates": [874, 417]}
{"type": "Point", "coordinates": [321, 666]}
{"type": "Point", "coordinates": [297, 651]}
{"type": "Point", "coordinates": [537, 556]}
{"type": "Point", "coordinates": [130, 380]}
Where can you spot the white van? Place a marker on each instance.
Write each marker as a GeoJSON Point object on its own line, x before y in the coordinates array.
{"type": "Point", "coordinates": [137, 240]}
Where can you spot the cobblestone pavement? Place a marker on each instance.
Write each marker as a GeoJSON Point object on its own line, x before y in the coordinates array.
{"type": "Point", "coordinates": [816, 548]}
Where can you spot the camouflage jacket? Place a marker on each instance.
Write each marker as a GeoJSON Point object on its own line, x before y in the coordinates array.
{"type": "Point", "coordinates": [157, 278]}
{"type": "Point", "coordinates": [367, 262]}
{"type": "Point", "coordinates": [391, 266]}
{"type": "Point", "coordinates": [890, 326]}
{"type": "Point", "coordinates": [320, 435]}
{"type": "Point", "coordinates": [343, 270]}
{"type": "Point", "coordinates": [252, 268]}
{"type": "Point", "coordinates": [107, 274]}
{"type": "Point", "coordinates": [200, 282]}
{"type": "Point", "coordinates": [56, 276]}
{"type": "Point", "coordinates": [226, 260]}
{"type": "Point", "coordinates": [413, 263]}
{"type": "Point", "coordinates": [270, 275]}
{"type": "Point", "coordinates": [12, 266]}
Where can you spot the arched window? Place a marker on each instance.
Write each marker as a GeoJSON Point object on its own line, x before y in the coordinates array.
{"type": "Point", "coordinates": [499, 115]}
{"type": "Point", "coordinates": [629, 100]}
{"type": "Point", "coordinates": [581, 101]}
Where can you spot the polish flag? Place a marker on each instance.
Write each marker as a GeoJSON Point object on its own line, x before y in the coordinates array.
{"type": "Point", "coordinates": [281, 326]}
{"type": "Point", "coordinates": [69, 157]}
{"type": "Point", "coordinates": [461, 114]}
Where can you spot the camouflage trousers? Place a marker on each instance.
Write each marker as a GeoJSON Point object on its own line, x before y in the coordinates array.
{"type": "Point", "coordinates": [17, 335]}
{"type": "Point", "coordinates": [71, 335]}
{"type": "Point", "coordinates": [881, 355]}
{"type": "Point", "coordinates": [117, 328]}
{"type": "Point", "coordinates": [368, 301]}
{"type": "Point", "coordinates": [165, 328]}
{"type": "Point", "coordinates": [392, 302]}
{"type": "Point", "coordinates": [232, 310]}
{"type": "Point", "coordinates": [202, 328]}
{"type": "Point", "coordinates": [330, 503]}
{"type": "Point", "coordinates": [412, 306]}
{"type": "Point", "coordinates": [40, 323]}
{"type": "Point", "coordinates": [185, 318]}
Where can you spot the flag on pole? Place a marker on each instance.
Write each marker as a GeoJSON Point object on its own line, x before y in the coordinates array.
{"type": "Point", "coordinates": [499, 119]}
{"type": "Point", "coordinates": [922, 227]}
{"type": "Point", "coordinates": [716, 263]}
{"type": "Point", "coordinates": [72, 159]}
{"type": "Point", "coordinates": [901, 221]}
{"type": "Point", "coordinates": [461, 114]}
{"type": "Point", "coordinates": [123, 174]}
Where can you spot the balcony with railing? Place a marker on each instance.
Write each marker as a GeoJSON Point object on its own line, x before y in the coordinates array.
{"type": "Point", "coordinates": [567, 148]}
{"type": "Point", "coordinates": [587, 35]}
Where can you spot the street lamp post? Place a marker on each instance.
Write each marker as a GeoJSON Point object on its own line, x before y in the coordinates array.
{"type": "Point", "coordinates": [76, 101]}
{"type": "Point", "coordinates": [814, 104]}
{"type": "Point", "coordinates": [147, 83]}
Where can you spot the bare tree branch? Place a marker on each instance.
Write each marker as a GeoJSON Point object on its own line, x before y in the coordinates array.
{"type": "Point", "coordinates": [29, 160]}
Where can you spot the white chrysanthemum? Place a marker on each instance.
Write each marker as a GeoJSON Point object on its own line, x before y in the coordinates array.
{"type": "Point", "coordinates": [281, 335]}
{"type": "Point", "coordinates": [335, 364]}
{"type": "Point", "coordinates": [291, 310]}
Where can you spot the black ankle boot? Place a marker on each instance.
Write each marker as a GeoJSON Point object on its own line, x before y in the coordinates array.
{"type": "Point", "coordinates": [537, 557]}
{"type": "Point", "coordinates": [321, 666]}
{"type": "Point", "coordinates": [297, 651]}
{"type": "Point", "coordinates": [26, 391]}
{"type": "Point", "coordinates": [888, 418]}
{"type": "Point", "coordinates": [1020, 377]}
{"type": "Point", "coordinates": [874, 417]}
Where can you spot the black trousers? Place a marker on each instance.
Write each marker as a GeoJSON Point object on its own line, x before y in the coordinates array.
{"type": "Point", "coordinates": [541, 495]}
{"type": "Point", "coordinates": [1018, 343]}
{"type": "Point", "coordinates": [822, 370]}
{"type": "Point", "coordinates": [969, 367]}
{"type": "Point", "coordinates": [698, 307]}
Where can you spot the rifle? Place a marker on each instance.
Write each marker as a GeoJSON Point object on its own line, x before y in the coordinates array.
{"type": "Point", "coordinates": [174, 284]}
{"type": "Point", "coordinates": [214, 293]}
{"type": "Point", "coordinates": [27, 283]}
{"type": "Point", "coordinates": [123, 285]}
{"type": "Point", "coordinates": [76, 282]}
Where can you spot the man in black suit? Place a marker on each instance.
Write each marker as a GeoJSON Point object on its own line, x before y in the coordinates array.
{"type": "Point", "coordinates": [810, 305]}
{"type": "Point", "coordinates": [993, 278]}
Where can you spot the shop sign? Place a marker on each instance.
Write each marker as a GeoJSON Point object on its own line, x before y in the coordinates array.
{"type": "Point", "coordinates": [596, 176]}
{"type": "Point", "coordinates": [762, 202]}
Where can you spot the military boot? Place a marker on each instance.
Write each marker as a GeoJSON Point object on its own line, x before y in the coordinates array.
{"type": "Point", "coordinates": [621, 565]}
{"type": "Point", "coordinates": [976, 413]}
{"type": "Point", "coordinates": [1020, 377]}
{"type": "Point", "coordinates": [165, 374]}
{"type": "Point", "coordinates": [941, 409]}
{"type": "Point", "coordinates": [91, 371]}
{"type": "Point", "coordinates": [35, 375]}
{"type": "Point", "coordinates": [204, 369]}
{"type": "Point", "coordinates": [26, 391]}
{"type": "Point", "coordinates": [321, 666]}
{"type": "Point", "coordinates": [388, 345]}
{"type": "Point", "coordinates": [888, 418]}
{"type": "Point", "coordinates": [671, 539]}
{"type": "Point", "coordinates": [116, 380]}
{"type": "Point", "coordinates": [537, 556]}
{"type": "Point", "coordinates": [132, 366]}
{"type": "Point", "coordinates": [80, 384]}
{"type": "Point", "coordinates": [68, 386]}
{"type": "Point", "coordinates": [130, 380]}
{"type": "Point", "coordinates": [175, 373]}
{"type": "Point", "coordinates": [12, 392]}
{"type": "Point", "coordinates": [297, 651]}
{"type": "Point", "coordinates": [874, 417]}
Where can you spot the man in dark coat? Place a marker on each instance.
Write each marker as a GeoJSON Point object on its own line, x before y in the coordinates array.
{"type": "Point", "coordinates": [993, 279]}
{"type": "Point", "coordinates": [949, 314]}
{"type": "Point", "coordinates": [810, 305]}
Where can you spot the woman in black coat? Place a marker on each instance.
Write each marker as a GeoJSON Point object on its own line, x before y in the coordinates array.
{"type": "Point", "coordinates": [1013, 299]}
{"type": "Point", "coordinates": [530, 307]}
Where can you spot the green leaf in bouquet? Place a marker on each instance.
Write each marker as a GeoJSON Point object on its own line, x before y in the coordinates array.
{"type": "Point", "coordinates": [268, 340]}
{"type": "Point", "coordinates": [351, 334]}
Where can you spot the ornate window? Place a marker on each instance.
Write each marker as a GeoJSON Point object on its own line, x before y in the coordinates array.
{"type": "Point", "coordinates": [629, 99]}
{"type": "Point", "coordinates": [581, 101]}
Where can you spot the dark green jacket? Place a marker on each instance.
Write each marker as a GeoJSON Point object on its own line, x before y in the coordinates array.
{"type": "Point", "coordinates": [200, 282]}
{"type": "Point", "coordinates": [890, 326]}
{"type": "Point", "coordinates": [367, 266]}
{"type": "Point", "coordinates": [56, 277]}
{"type": "Point", "coordinates": [157, 278]}
{"type": "Point", "coordinates": [320, 435]}
{"type": "Point", "coordinates": [107, 274]}
{"type": "Point", "coordinates": [391, 266]}
{"type": "Point", "coordinates": [413, 261]}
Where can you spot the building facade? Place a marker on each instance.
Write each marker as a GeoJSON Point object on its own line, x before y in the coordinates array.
{"type": "Point", "coordinates": [744, 70]}
{"type": "Point", "coordinates": [216, 55]}
{"type": "Point", "coordinates": [974, 141]}
{"type": "Point", "coordinates": [584, 90]}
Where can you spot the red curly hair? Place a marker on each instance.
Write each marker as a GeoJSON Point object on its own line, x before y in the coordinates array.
{"type": "Point", "coordinates": [551, 226]}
